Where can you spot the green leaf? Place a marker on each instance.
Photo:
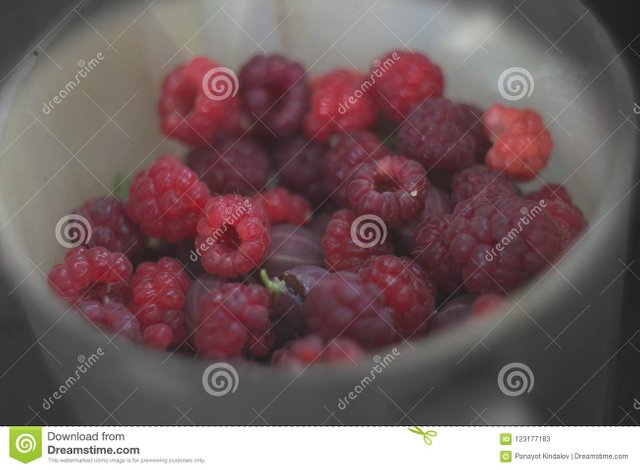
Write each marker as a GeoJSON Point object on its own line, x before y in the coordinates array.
{"type": "Point", "coordinates": [121, 186]}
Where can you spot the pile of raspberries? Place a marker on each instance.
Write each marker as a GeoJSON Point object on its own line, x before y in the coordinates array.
{"type": "Point", "coordinates": [315, 218]}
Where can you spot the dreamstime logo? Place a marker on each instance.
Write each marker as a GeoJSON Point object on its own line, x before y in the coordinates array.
{"type": "Point", "coordinates": [84, 69]}
{"type": "Point", "coordinates": [220, 83]}
{"type": "Point", "coordinates": [232, 216]}
{"type": "Point", "coordinates": [84, 364]}
{"type": "Point", "coordinates": [378, 70]}
{"type": "Point", "coordinates": [515, 83]}
{"type": "Point", "coordinates": [368, 230]}
{"type": "Point", "coordinates": [220, 379]}
{"type": "Point", "coordinates": [380, 364]}
{"type": "Point", "coordinates": [73, 230]}
{"type": "Point", "coordinates": [636, 108]}
{"type": "Point", "coordinates": [527, 216]}
{"type": "Point", "coordinates": [26, 443]}
{"type": "Point", "coordinates": [515, 379]}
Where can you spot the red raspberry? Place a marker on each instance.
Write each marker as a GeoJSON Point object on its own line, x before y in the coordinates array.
{"type": "Point", "coordinates": [338, 104]}
{"type": "Point", "coordinates": [393, 188]}
{"type": "Point", "coordinates": [341, 305]}
{"type": "Point", "coordinates": [158, 336]}
{"type": "Point", "coordinates": [437, 135]}
{"type": "Point", "coordinates": [340, 248]}
{"type": "Point", "coordinates": [112, 316]}
{"type": "Point", "coordinates": [344, 157]}
{"type": "Point", "coordinates": [231, 166]}
{"type": "Point", "coordinates": [233, 235]}
{"type": "Point", "coordinates": [558, 205]}
{"type": "Point", "coordinates": [496, 245]}
{"type": "Point", "coordinates": [299, 353]}
{"type": "Point", "coordinates": [478, 180]}
{"type": "Point", "coordinates": [110, 226]}
{"type": "Point", "coordinates": [281, 206]}
{"type": "Point", "coordinates": [433, 255]}
{"type": "Point", "coordinates": [234, 319]}
{"type": "Point", "coordinates": [158, 295]}
{"type": "Point", "coordinates": [192, 107]}
{"type": "Point", "coordinates": [166, 200]}
{"type": "Point", "coordinates": [521, 143]}
{"type": "Point", "coordinates": [473, 117]}
{"type": "Point", "coordinates": [86, 272]}
{"type": "Point", "coordinates": [275, 93]}
{"type": "Point", "coordinates": [403, 80]}
{"type": "Point", "coordinates": [405, 288]}
{"type": "Point", "coordinates": [299, 164]}
{"type": "Point", "coordinates": [488, 303]}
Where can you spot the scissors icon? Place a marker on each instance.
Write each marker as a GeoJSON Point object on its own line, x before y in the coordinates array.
{"type": "Point", "coordinates": [426, 435]}
{"type": "Point", "coordinates": [636, 404]}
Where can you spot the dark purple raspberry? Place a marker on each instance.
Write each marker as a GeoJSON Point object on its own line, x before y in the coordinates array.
{"type": "Point", "coordinates": [344, 157]}
{"type": "Point", "coordinates": [231, 166]}
{"type": "Point", "coordinates": [348, 244]}
{"type": "Point", "coordinates": [393, 188]}
{"type": "Point", "coordinates": [453, 311]}
{"type": "Point", "coordinates": [275, 93]}
{"type": "Point", "coordinates": [436, 134]}
{"type": "Point", "coordinates": [200, 286]}
{"type": "Point", "coordinates": [497, 245]}
{"type": "Point", "coordinates": [110, 227]}
{"type": "Point", "coordinates": [478, 180]}
{"type": "Point", "coordinates": [289, 291]}
{"type": "Point", "coordinates": [341, 305]}
{"type": "Point", "coordinates": [476, 128]}
{"type": "Point", "coordinates": [433, 255]}
{"type": "Point", "coordinates": [299, 163]}
{"type": "Point", "coordinates": [292, 246]}
{"type": "Point", "coordinates": [436, 202]}
{"type": "Point", "coordinates": [303, 352]}
{"type": "Point", "coordinates": [405, 288]}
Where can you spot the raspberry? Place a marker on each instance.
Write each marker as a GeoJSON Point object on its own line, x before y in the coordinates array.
{"type": "Point", "coordinates": [166, 200]}
{"type": "Point", "coordinates": [473, 117]}
{"type": "Point", "coordinates": [393, 188]}
{"type": "Point", "coordinates": [112, 316]}
{"type": "Point", "coordinates": [336, 106]}
{"type": "Point", "coordinates": [300, 353]}
{"type": "Point", "coordinates": [487, 303]}
{"type": "Point", "coordinates": [341, 305]}
{"type": "Point", "coordinates": [405, 288]}
{"type": "Point", "coordinates": [231, 166]}
{"type": "Point", "coordinates": [192, 109]}
{"type": "Point", "coordinates": [345, 156]}
{"type": "Point", "coordinates": [558, 205]}
{"type": "Point", "coordinates": [234, 319]}
{"type": "Point", "coordinates": [158, 295]}
{"type": "Point", "coordinates": [521, 143]}
{"type": "Point", "coordinates": [341, 250]}
{"type": "Point", "coordinates": [158, 336]}
{"type": "Point", "coordinates": [433, 255]}
{"type": "Point", "coordinates": [437, 135]}
{"type": "Point", "coordinates": [110, 227]}
{"type": "Point", "coordinates": [453, 311]}
{"type": "Point", "coordinates": [299, 164]}
{"type": "Point", "coordinates": [403, 80]}
{"type": "Point", "coordinates": [496, 245]}
{"type": "Point", "coordinates": [233, 235]}
{"type": "Point", "coordinates": [282, 206]}
{"type": "Point", "coordinates": [87, 272]}
{"type": "Point", "coordinates": [274, 91]}
{"type": "Point", "coordinates": [551, 192]}
{"type": "Point", "coordinates": [478, 180]}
